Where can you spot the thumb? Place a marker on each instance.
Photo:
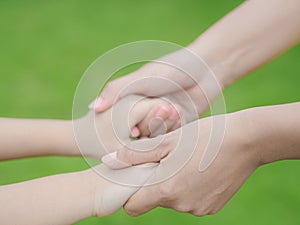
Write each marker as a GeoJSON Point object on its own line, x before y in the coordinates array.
{"type": "Point", "coordinates": [139, 152]}
{"type": "Point", "coordinates": [142, 201]}
{"type": "Point", "coordinates": [111, 93]}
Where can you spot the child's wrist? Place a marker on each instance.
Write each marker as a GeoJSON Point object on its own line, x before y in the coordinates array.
{"type": "Point", "coordinates": [66, 139]}
{"type": "Point", "coordinates": [86, 189]}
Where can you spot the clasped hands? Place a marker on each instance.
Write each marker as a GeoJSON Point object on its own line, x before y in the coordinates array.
{"type": "Point", "coordinates": [184, 188]}
{"type": "Point", "coordinates": [249, 138]}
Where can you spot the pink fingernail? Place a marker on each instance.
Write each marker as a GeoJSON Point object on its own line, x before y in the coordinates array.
{"type": "Point", "coordinates": [135, 132]}
{"type": "Point", "coordinates": [97, 103]}
{"type": "Point", "coordinates": [112, 162]}
{"type": "Point", "coordinates": [162, 112]}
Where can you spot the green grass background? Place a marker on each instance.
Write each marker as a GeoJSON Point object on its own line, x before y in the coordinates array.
{"type": "Point", "coordinates": [45, 46]}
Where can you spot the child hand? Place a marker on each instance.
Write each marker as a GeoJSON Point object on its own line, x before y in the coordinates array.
{"type": "Point", "coordinates": [100, 133]}
{"type": "Point", "coordinates": [113, 188]}
{"type": "Point", "coordinates": [162, 118]}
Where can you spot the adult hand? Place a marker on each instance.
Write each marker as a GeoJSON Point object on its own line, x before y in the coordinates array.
{"type": "Point", "coordinates": [190, 190]}
{"type": "Point", "coordinates": [252, 138]}
{"type": "Point", "coordinates": [230, 54]}
{"type": "Point", "coordinates": [181, 78]}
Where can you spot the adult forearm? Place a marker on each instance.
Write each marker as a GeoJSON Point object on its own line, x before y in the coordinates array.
{"type": "Point", "coordinates": [59, 199]}
{"type": "Point", "coordinates": [274, 131]}
{"type": "Point", "coordinates": [25, 138]}
{"type": "Point", "coordinates": [248, 37]}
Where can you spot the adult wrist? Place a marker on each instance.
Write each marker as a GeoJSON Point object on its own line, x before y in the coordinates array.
{"type": "Point", "coordinates": [218, 58]}
{"type": "Point", "coordinates": [270, 135]}
{"type": "Point", "coordinates": [245, 136]}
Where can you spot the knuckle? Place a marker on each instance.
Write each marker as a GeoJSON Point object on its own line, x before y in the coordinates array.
{"type": "Point", "coordinates": [200, 212]}
{"type": "Point", "coordinates": [131, 212]}
{"type": "Point", "coordinates": [110, 85]}
{"type": "Point", "coordinates": [158, 155]}
{"type": "Point", "coordinates": [213, 211]}
{"type": "Point", "coordinates": [182, 207]}
{"type": "Point", "coordinates": [166, 192]}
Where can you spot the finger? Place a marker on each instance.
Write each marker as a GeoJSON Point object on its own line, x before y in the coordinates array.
{"type": "Point", "coordinates": [142, 201]}
{"type": "Point", "coordinates": [170, 124]}
{"type": "Point", "coordinates": [143, 111]}
{"type": "Point", "coordinates": [158, 147]}
{"type": "Point", "coordinates": [154, 120]}
{"type": "Point", "coordinates": [143, 125]}
{"type": "Point", "coordinates": [176, 125]}
{"type": "Point", "coordinates": [111, 93]}
{"type": "Point", "coordinates": [135, 132]}
{"type": "Point", "coordinates": [163, 128]}
{"type": "Point", "coordinates": [174, 119]}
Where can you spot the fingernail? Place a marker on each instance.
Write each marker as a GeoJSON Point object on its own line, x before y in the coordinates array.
{"type": "Point", "coordinates": [91, 106]}
{"type": "Point", "coordinates": [174, 114]}
{"type": "Point", "coordinates": [135, 132]}
{"type": "Point", "coordinates": [163, 110]}
{"type": "Point", "coordinates": [96, 103]}
{"type": "Point", "coordinates": [112, 162]}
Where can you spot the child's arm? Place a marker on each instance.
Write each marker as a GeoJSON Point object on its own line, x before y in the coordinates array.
{"type": "Point", "coordinates": [28, 137]}
{"type": "Point", "coordinates": [67, 198]}
{"type": "Point", "coordinates": [59, 199]}
{"type": "Point", "coordinates": [35, 137]}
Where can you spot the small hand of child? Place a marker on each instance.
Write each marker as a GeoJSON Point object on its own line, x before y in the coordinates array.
{"type": "Point", "coordinates": [162, 118]}
{"type": "Point", "coordinates": [133, 116]}
{"type": "Point", "coordinates": [114, 187]}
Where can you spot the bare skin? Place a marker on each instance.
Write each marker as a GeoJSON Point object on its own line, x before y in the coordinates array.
{"type": "Point", "coordinates": [236, 45]}
{"type": "Point", "coordinates": [66, 198]}
{"type": "Point", "coordinates": [253, 137]}
{"type": "Point", "coordinates": [242, 41]}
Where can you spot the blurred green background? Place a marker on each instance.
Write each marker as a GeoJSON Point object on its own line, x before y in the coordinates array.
{"type": "Point", "coordinates": [45, 46]}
